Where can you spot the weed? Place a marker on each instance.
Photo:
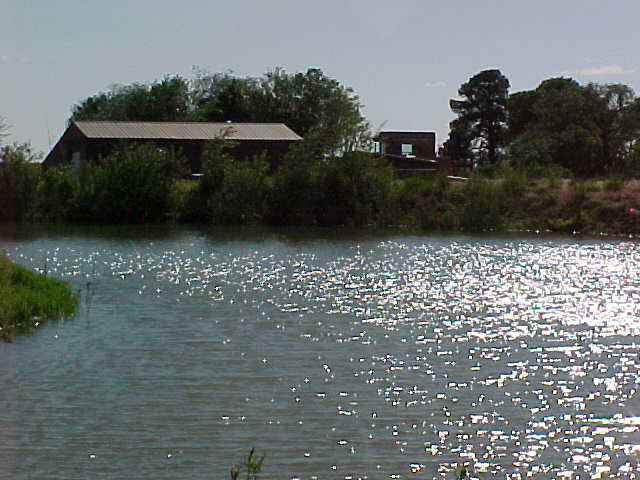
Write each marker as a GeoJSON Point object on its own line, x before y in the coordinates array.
{"type": "Point", "coordinates": [251, 465]}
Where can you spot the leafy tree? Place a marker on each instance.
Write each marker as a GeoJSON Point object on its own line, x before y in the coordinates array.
{"type": "Point", "coordinates": [617, 120]}
{"type": "Point", "coordinates": [221, 97]}
{"type": "Point", "coordinates": [310, 103]}
{"type": "Point", "coordinates": [587, 130]}
{"type": "Point", "coordinates": [481, 114]}
{"type": "Point", "coordinates": [558, 127]}
{"type": "Point", "coordinates": [167, 100]}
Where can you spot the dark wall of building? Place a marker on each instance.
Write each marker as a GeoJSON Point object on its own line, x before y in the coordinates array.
{"type": "Point", "coordinates": [94, 149]}
{"type": "Point", "coordinates": [71, 141]}
{"type": "Point", "coordinates": [424, 143]}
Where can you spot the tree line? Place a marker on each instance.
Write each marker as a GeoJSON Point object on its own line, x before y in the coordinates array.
{"type": "Point", "coordinates": [328, 179]}
{"type": "Point", "coordinates": [310, 103]}
{"type": "Point", "coordinates": [588, 130]}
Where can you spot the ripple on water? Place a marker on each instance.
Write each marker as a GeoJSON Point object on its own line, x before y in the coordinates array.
{"type": "Point", "coordinates": [398, 358]}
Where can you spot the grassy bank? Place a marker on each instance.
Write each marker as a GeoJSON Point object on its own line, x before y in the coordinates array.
{"type": "Point", "coordinates": [27, 299]}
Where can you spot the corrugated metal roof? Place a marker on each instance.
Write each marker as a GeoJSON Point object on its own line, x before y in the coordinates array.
{"type": "Point", "coordinates": [187, 130]}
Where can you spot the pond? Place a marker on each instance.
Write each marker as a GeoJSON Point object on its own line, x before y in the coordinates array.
{"type": "Point", "coordinates": [361, 355]}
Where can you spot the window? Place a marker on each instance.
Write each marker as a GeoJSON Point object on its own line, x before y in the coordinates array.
{"type": "Point", "coordinates": [75, 159]}
{"type": "Point", "coordinates": [407, 149]}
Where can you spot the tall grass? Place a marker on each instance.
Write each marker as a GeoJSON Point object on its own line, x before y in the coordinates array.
{"type": "Point", "coordinates": [27, 299]}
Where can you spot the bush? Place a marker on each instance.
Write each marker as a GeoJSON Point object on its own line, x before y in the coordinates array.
{"type": "Point", "coordinates": [58, 190]}
{"type": "Point", "coordinates": [133, 185]}
{"type": "Point", "coordinates": [513, 185]}
{"type": "Point", "coordinates": [242, 194]}
{"type": "Point", "coordinates": [295, 193]}
{"type": "Point", "coordinates": [613, 185]}
{"type": "Point", "coordinates": [356, 190]}
{"type": "Point", "coordinates": [230, 191]}
{"type": "Point", "coordinates": [19, 175]}
{"type": "Point", "coordinates": [482, 202]}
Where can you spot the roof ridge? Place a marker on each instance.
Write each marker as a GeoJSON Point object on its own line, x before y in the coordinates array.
{"type": "Point", "coordinates": [178, 121]}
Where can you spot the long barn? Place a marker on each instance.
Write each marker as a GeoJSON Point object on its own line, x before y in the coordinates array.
{"type": "Point", "coordinates": [92, 140]}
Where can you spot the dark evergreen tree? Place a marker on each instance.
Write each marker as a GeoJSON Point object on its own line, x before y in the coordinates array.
{"type": "Point", "coordinates": [482, 114]}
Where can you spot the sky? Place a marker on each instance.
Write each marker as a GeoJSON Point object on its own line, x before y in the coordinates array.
{"type": "Point", "coordinates": [405, 59]}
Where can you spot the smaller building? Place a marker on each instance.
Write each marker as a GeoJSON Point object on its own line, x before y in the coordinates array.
{"type": "Point", "coordinates": [409, 152]}
{"type": "Point", "coordinates": [90, 141]}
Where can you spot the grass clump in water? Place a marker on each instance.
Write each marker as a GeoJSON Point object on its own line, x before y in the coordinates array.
{"type": "Point", "coordinates": [251, 465]}
{"type": "Point", "coordinates": [27, 299]}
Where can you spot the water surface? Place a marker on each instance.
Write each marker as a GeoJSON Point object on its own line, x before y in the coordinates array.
{"type": "Point", "coordinates": [340, 355]}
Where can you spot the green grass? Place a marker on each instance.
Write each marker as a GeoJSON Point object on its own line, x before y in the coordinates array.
{"type": "Point", "coordinates": [28, 299]}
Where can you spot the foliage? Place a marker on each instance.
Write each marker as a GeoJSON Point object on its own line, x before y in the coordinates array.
{"type": "Point", "coordinates": [481, 205]}
{"type": "Point", "coordinates": [588, 130]}
{"type": "Point", "coordinates": [57, 193]}
{"type": "Point", "coordinates": [352, 189]}
{"type": "Point", "coordinates": [229, 192]}
{"type": "Point", "coordinates": [310, 103]}
{"type": "Point", "coordinates": [481, 116]}
{"type": "Point", "coordinates": [241, 196]}
{"type": "Point", "coordinates": [355, 188]}
{"type": "Point", "coordinates": [19, 174]}
{"type": "Point", "coordinates": [28, 299]}
{"type": "Point", "coordinates": [513, 185]}
{"type": "Point", "coordinates": [251, 465]}
{"type": "Point", "coordinates": [295, 195]}
{"type": "Point", "coordinates": [166, 100]}
{"type": "Point", "coordinates": [428, 203]}
{"type": "Point", "coordinates": [133, 185]}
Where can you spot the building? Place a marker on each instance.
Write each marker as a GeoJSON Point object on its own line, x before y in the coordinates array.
{"type": "Point", "coordinates": [410, 153]}
{"type": "Point", "coordinates": [90, 141]}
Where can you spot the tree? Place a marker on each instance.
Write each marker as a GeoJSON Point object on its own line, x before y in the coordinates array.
{"type": "Point", "coordinates": [617, 121]}
{"type": "Point", "coordinates": [458, 145]}
{"type": "Point", "coordinates": [588, 130]}
{"type": "Point", "coordinates": [310, 103]}
{"type": "Point", "coordinates": [482, 114]}
{"type": "Point", "coordinates": [167, 100]}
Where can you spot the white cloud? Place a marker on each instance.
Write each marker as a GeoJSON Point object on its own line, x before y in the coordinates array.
{"type": "Point", "coordinates": [438, 84]}
{"type": "Point", "coordinates": [601, 70]}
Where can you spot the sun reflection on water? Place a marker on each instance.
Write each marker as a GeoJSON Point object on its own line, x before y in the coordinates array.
{"type": "Point", "coordinates": [518, 359]}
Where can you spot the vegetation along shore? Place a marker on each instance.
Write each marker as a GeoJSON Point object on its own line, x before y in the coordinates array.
{"type": "Point", "coordinates": [562, 157]}
{"type": "Point", "coordinates": [28, 299]}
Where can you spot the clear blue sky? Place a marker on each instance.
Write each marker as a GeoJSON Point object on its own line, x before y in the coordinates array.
{"type": "Point", "coordinates": [405, 59]}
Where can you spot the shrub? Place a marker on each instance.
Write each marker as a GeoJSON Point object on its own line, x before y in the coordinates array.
{"type": "Point", "coordinates": [242, 194]}
{"type": "Point", "coordinates": [613, 185]}
{"type": "Point", "coordinates": [58, 190]}
{"type": "Point", "coordinates": [356, 190]}
{"type": "Point", "coordinates": [295, 193]}
{"type": "Point", "coordinates": [133, 185]}
{"type": "Point", "coordinates": [481, 209]}
{"type": "Point", "coordinates": [19, 175]}
{"type": "Point", "coordinates": [514, 183]}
